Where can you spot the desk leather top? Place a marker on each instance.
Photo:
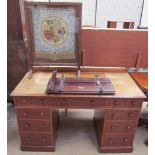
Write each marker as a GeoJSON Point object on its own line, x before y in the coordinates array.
{"type": "Point", "coordinates": [124, 85]}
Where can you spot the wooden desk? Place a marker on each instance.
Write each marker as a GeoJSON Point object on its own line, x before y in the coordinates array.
{"type": "Point", "coordinates": [115, 116]}
{"type": "Point", "coordinates": [141, 78]}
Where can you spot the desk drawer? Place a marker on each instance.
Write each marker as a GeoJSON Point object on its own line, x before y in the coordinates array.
{"type": "Point", "coordinates": [127, 103]}
{"type": "Point", "coordinates": [62, 102]}
{"type": "Point", "coordinates": [31, 113]}
{"type": "Point", "coordinates": [35, 125]}
{"type": "Point", "coordinates": [33, 139]}
{"type": "Point", "coordinates": [83, 103]}
{"type": "Point", "coordinates": [30, 101]}
{"type": "Point", "coordinates": [71, 102]}
{"type": "Point", "coordinates": [121, 140]}
{"type": "Point", "coordinates": [121, 115]}
{"type": "Point", "coordinates": [119, 127]}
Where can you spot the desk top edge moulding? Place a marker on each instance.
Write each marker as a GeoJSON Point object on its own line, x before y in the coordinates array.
{"type": "Point", "coordinates": [53, 33]}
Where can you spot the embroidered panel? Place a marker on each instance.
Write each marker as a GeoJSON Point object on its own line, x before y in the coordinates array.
{"type": "Point", "coordinates": [54, 33]}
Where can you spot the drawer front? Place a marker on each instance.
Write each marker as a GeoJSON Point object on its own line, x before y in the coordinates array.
{"type": "Point", "coordinates": [84, 103]}
{"type": "Point", "coordinates": [115, 127]}
{"type": "Point", "coordinates": [127, 103]}
{"type": "Point", "coordinates": [33, 125]}
{"type": "Point", "coordinates": [78, 102]}
{"type": "Point", "coordinates": [29, 101]}
{"type": "Point", "coordinates": [39, 139]}
{"type": "Point", "coordinates": [121, 115]}
{"type": "Point", "coordinates": [118, 140]}
{"type": "Point", "coordinates": [62, 102]}
{"type": "Point", "coordinates": [30, 113]}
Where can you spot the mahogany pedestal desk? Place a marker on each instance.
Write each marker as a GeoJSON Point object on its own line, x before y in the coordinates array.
{"type": "Point", "coordinates": [115, 116]}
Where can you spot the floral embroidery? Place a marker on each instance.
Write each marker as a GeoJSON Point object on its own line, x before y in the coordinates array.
{"type": "Point", "coordinates": [54, 30]}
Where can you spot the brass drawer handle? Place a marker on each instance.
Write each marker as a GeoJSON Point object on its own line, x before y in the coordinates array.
{"type": "Point", "coordinates": [115, 103]}
{"type": "Point", "coordinates": [23, 101]}
{"type": "Point", "coordinates": [27, 125]}
{"type": "Point", "coordinates": [64, 101]}
{"type": "Point", "coordinates": [125, 140]}
{"type": "Point", "coordinates": [128, 127]}
{"type": "Point", "coordinates": [44, 139]}
{"type": "Point", "coordinates": [25, 113]}
{"type": "Point", "coordinates": [41, 100]}
{"type": "Point", "coordinates": [93, 102]}
{"type": "Point", "coordinates": [28, 139]}
{"type": "Point", "coordinates": [41, 114]}
{"type": "Point", "coordinates": [133, 103]}
{"type": "Point", "coordinates": [43, 126]}
{"type": "Point", "coordinates": [130, 115]}
{"type": "Point", "coordinates": [110, 141]}
{"type": "Point", "coordinates": [112, 127]}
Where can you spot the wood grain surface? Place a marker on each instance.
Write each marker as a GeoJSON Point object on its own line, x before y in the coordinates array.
{"type": "Point", "coordinates": [122, 82]}
{"type": "Point", "coordinates": [114, 48]}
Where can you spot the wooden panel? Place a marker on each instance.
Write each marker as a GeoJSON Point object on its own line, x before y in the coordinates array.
{"type": "Point", "coordinates": [17, 64]}
{"type": "Point", "coordinates": [121, 115]}
{"type": "Point", "coordinates": [121, 140]}
{"type": "Point", "coordinates": [30, 113]}
{"type": "Point", "coordinates": [126, 25]}
{"type": "Point", "coordinates": [34, 125]}
{"type": "Point", "coordinates": [14, 27]}
{"type": "Point", "coordinates": [111, 24]}
{"type": "Point", "coordinates": [120, 127]}
{"type": "Point", "coordinates": [114, 48]}
{"type": "Point", "coordinates": [36, 139]}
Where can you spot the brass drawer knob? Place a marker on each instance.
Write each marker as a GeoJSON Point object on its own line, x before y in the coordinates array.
{"type": "Point", "coordinates": [28, 139]}
{"type": "Point", "coordinates": [93, 102]}
{"type": "Point", "coordinates": [125, 140]}
{"type": "Point", "coordinates": [110, 141]}
{"type": "Point", "coordinates": [43, 126]}
{"type": "Point", "coordinates": [44, 139]}
{"type": "Point", "coordinates": [64, 101]}
{"type": "Point", "coordinates": [41, 114]}
{"type": "Point", "coordinates": [128, 127]}
{"type": "Point", "coordinates": [133, 103]}
{"type": "Point", "coordinates": [115, 103]}
{"type": "Point", "coordinates": [112, 127]}
{"type": "Point", "coordinates": [23, 101]}
{"type": "Point", "coordinates": [27, 125]}
{"type": "Point", "coordinates": [130, 115]}
{"type": "Point", "coordinates": [41, 101]}
{"type": "Point", "coordinates": [25, 113]}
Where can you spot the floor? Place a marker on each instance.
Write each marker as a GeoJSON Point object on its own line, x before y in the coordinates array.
{"type": "Point", "coordinates": [76, 135]}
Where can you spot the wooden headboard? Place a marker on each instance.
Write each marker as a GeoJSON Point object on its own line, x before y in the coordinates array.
{"type": "Point", "coordinates": [114, 48]}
